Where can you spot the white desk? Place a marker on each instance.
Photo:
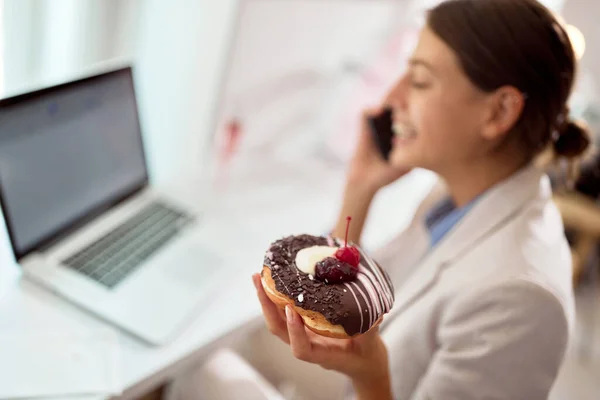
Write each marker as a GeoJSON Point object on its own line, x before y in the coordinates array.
{"type": "Point", "coordinates": [287, 202]}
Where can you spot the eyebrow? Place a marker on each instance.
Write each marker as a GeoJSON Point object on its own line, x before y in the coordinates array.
{"type": "Point", "coordinates": [414, 62]}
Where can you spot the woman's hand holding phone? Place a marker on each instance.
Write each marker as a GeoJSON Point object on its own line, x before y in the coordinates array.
{"type": "Point", "coordinates": [369, 167]}
{"type": "Point", "coordinates": [368, 172]}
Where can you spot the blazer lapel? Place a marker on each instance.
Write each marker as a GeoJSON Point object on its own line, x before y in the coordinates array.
{"type": "Point", "coordinates": [498, 205]}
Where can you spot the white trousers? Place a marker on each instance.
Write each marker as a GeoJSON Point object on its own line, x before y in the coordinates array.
{"type": "Point", "coordinates": [257, 367]}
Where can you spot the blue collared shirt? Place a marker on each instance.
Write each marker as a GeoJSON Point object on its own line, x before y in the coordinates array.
{"type": "Point", "coordinates": [443, 217]}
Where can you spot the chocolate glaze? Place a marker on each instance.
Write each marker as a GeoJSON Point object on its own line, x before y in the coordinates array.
{"type": "Point", "coordinates": [339, 303]}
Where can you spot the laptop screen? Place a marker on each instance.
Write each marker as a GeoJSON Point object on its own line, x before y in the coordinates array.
{"type": "Point", "coordinates": [68, 153]}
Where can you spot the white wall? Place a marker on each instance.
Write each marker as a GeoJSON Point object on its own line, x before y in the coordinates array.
{"type": "Point", "coordinates": [182, 53]}
{"type": "Point", "coordinates": [296, 64]}
{"type": "Point", "coordinates": [49, 41]}
{"type": "Point", "coordinates": [297, 68]}
{"type": "Point", "coordinates": [19, 24]}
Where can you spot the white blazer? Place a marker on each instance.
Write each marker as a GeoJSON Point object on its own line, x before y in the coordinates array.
{"type": "Point", "coordinates": [487, 313]}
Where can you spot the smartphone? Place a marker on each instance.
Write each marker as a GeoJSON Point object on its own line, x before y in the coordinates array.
{"type": "Point", "coordinates": [381, 129]}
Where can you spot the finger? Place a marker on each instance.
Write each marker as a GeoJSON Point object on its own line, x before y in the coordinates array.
{"type": "Point", "coordinates": [281, 323]}
{"type": "Point", "coordinates": [331, 353]}
{"type": "Point", "coordinates": [255, 280]}
{"type": "Point", "coordinates": [281, 313]}
{"type": "Point", "coordinates": [299, 340]}
{"type": "Point", "coordinates": [275, 323]}
{"type": "Point", "coordinates": [365, 139]}
{"type": "Point", "coordinates": [372, 112]}
{"type": "Point", "coordinates": [270, 309]}
{"type": "Point", "coordinates": [273, 318]}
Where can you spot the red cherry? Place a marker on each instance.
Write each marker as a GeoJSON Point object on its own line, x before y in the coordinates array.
{"type": "Point", "coordinates": [332, 270]}
{"type": "Point", "coordinates": [349, 255]}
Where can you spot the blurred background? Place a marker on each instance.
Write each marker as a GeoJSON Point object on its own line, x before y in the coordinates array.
{"type": "Point", "coordinates": [222, 84]}
{"type": "Point", "coordinates": [292, 73]}
{"type": "Point", "coordinates": [252, 94]}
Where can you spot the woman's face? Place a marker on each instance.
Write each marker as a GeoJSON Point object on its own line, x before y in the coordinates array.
{"type": "Point", "coordinates": [438, 112]}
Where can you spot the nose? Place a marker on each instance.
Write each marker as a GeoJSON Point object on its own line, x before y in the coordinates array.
{"type": "Point", "coordinates": [398, 97]}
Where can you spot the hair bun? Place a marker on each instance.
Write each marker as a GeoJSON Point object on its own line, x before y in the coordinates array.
{"type": "Point", "coordinates": [572, 141]}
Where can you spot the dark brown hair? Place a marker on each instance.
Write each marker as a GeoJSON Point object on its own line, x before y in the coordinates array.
{"type": "Point", "coordinates": [518, 43]}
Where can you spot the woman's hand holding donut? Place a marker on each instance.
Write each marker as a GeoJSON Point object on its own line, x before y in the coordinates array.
{"type": "Point", "coordinates": [363, 359]}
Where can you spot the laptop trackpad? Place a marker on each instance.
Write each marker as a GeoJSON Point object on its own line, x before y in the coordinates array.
{"type": "Point", "coordinates": [191, 263]}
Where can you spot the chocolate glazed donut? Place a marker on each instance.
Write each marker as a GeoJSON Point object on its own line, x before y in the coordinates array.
{"type": "Point", "coordinates": [338, 310]}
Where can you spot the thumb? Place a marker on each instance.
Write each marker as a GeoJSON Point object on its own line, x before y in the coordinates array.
{"type": "Point", "coordinates": [368, 337]}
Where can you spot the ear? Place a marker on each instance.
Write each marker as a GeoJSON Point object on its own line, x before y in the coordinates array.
{"type": "Point", "coordinates": [505, 108]}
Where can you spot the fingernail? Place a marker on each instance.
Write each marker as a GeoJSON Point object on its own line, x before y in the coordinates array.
{"type": "Point", "coordinates": [289, 313]}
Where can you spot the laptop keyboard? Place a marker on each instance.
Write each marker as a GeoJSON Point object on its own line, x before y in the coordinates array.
{"type": "Point", "coordinates": [116, 255]}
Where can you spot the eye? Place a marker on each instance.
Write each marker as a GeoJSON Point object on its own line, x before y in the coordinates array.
{"type": "Point", "coordinates": [418, 80]}
{"type": "Point", "coordinates": [419, 85]}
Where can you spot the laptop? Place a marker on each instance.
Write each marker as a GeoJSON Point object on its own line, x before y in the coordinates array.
{"type": "Point", "coordinates": [83, 219]}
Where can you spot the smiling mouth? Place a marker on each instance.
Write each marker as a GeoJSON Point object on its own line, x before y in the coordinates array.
{"type": "Point", "coordinates": [403, 132]}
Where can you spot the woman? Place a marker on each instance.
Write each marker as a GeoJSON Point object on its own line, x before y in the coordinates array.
{"type": "Point", "coordinates": [484, 305]}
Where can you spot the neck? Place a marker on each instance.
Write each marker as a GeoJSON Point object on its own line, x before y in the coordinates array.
{"type": "Point", "coordinates": [466, 182]}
